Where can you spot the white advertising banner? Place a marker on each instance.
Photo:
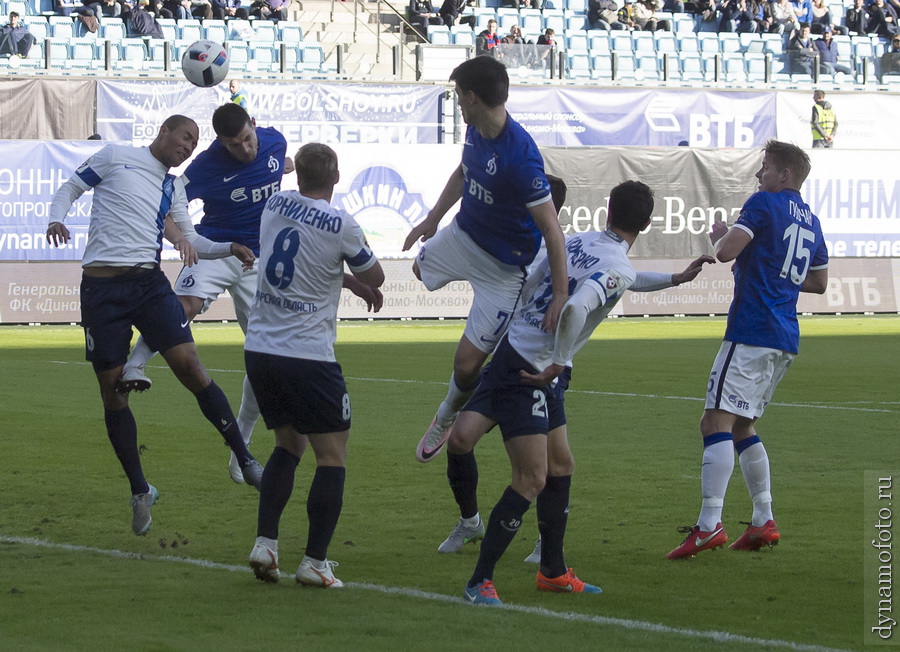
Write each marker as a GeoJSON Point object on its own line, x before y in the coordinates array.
{"type": "Point", "coordinates": [865, 120]}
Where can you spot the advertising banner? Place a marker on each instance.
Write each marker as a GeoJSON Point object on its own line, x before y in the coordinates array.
{"type": "Point", "coordinates": [304, 112]}
{"type": "Point", "coordinates": [49, 293]}
{"type": "Point", "coordinates": [861, 118]}
{"type": "Point", "coordinates": [578, 117]}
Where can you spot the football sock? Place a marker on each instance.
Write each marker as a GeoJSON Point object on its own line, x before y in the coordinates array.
{"type": "Point", "coordinates": [323, 508]}
{"type": "Point", "coordinates": [755, 467]}
{"type": "Point", "coordinates": [275, 491]}
{"type": "Point", "coordinates": [504, 522]}
{"type": "Point", "coordinates": [248, 414]}
{"type": "Point", "coordinates": [215, 408]}
{"type": "Point", "coordinates": [462, 472]}
{"type": "Point", "coordinates": [456, 399]}
{"type": "Point", "coordinates": [141, 354]}
{"type": "Point", "coordinates": [715, 471]}
{"type": "Point", "coordinates": [122, 432]}
{"type": "Point", "coordinates": [553, 515]}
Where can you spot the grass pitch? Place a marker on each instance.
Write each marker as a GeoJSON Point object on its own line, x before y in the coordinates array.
{"type": "Point", "coordinates": [72, 576]}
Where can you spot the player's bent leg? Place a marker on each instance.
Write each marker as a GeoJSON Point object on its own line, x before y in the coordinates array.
{"type": "Point", "coordinates": [248, 415]}
{"type": "Point", "coordinates": [133, 378]}
{"type": "Point", "coordinates": [214, 405]}
{"type": "Point", "coordinates": [462, 474]}
{"type": "Point", "coordinates": [466, 369]}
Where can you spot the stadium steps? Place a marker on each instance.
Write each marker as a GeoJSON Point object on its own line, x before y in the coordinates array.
{"type": "Point", "coordinates": [364, 57]}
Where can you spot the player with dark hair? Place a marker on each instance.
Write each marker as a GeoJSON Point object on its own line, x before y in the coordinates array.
{"type": "Point", "coordinates": [522, 391]}
{"type": "Point", "coordinates": [135, 201]}
{"type": "Point", "coordinates": [506, 210]}
{"type": "Point", "coordinates": [289, 352]}
{"type": "Point", "coordinates": [233, 178]}
{"type": "Point", "coordinates": [778, 251]}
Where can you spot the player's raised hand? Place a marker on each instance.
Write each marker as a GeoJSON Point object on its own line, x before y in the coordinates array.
{"type": "Point", "coordinates": [542, 379]}
{"type": "Point", "coordinates": [57, 234]}
{"type": "Point", "coordinates": [692, 270]}
{"type": "Point", "coordinates": [243, 254]}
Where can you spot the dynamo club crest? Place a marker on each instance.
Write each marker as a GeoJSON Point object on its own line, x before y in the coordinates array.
{"type": "Point", "coordinates": [383, 206]}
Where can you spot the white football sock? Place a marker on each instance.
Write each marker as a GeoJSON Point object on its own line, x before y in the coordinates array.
{"type": "Point", "coordinates": [248, 415]}
{"type": "Point", "coordinates": [140, 356]}
{"type": "Point", "coordinates": [472, 521]}
{"type": "Point", "coordinates": [716, 469]}
{"type": "Point", "coordinates": [455, 400]}
{"type": "Point", "coordinates": [755, 467]}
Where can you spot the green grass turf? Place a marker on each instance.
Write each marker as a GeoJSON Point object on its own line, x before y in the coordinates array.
{"type": "Point", "coordinates": [633, 410]}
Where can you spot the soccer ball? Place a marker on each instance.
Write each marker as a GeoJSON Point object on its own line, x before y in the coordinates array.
{"type": "Point", "coordinates": [205, 63]}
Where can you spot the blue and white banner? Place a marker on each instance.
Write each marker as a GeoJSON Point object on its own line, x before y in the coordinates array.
{"type": "Point", "coordinates": [30, 173]}
{"type": "Point", "coordinates": [571, 117]}
{"type": "Point", "coordinates": [304, 112]}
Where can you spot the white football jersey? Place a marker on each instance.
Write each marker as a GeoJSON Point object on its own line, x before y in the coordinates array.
{"type": "Point", "coordinates": [133, 193]}
{"type": "Point", "coordinates": [596, 261]}
{"type": "Point", "coordinates": [303, 246]}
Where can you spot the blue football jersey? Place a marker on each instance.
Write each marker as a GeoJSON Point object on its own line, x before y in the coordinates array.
{"type": "Point", "coordinates": [235, 193]}
{"type": "Point", "coordinates": [502, 177]}
{"type": "Point", "coordinates": [787, 243]}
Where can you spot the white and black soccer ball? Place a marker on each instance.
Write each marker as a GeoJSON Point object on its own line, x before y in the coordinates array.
{"type": "Point", "coordinates": [205, 63]}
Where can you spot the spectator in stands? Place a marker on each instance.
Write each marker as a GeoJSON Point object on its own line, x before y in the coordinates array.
{"type": "Point", "coordinates": [513, 50]}
{"type": "Point", "coordinates": [270, 9]}
{"type": "Point", "coordinates": [829, 60]}
{"type": "Point", "coordinates": [822, 20]}
{"type": "Point", "coordinates": [156, 8]}
{"type": "Point", "coordinates": [522, 4]}
{"type": "Point", "coordinates": [514, 37]}
{"type": "Point", "coordinates": [15, 39]}
{"type": "Point", "coordinates": [673, 6]}
{"type": "Point", "coordinates": [106, 9]}
{"type": "Point", "coordinates": [882, 19]}
{"type": "Point", "coordinates": [451, 14]}
{"type": "Point", "coordinates": [705, 9]}
{"type": "Point", "coordinates": [856, 18]}
{"type": "Point", "coordinates": [783, 20]}
{"type": "Point", "coordinates": [201, 9]}
{"type": "Point", "coordinates": [604, 14]}
{"type": "Point", "coordinates": [803, 10]}
{"type": "Point", "coordinates": [823, 122]}
{"type": "Point", "coordinates": [488, 39]}
{"type": "Point", "coordinates": [801, 51]}
{"type": "Point", "coordinates": [738, 16]}
{"type": "Point", "coordinates": [222, 9]}
{"type": "Point", "coordinates": [548, 38]}
{"type": "Point", "coordinates": [238, 94]}
{"type": "Point", "coordinates": [142, 23]}
{"type": "Point", "coordinates": [65, 7]}
{"type": "Point", "coordinates": [422, 14]}
{"type": "Point", "coordinates": [644, 15]}
{"type": "Point", "coordinates": [890, 60]}
{"type": "Point", "coordinates": [180, 9]}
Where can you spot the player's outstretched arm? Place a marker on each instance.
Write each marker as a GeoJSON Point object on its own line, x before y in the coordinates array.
{"type": "Point", "coordinates": [371, 295]}
{"type": "Point", "coordinates": [545, 217]}
{"type": "Point", "coordinates": [693, 269]}
{"type": "Point", "coordinates": [185, 249]}
{"type": "Point", "coordinates": [451, 194]}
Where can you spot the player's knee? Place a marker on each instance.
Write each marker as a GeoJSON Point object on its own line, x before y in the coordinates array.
{"type": "Point", "coordinates": [561, 466]}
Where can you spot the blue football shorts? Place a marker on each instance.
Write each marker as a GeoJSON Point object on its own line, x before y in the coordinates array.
{"type": "Point", "coordinates": [141, 298]}
{"type": "Point", "coordinates": [309, 395]}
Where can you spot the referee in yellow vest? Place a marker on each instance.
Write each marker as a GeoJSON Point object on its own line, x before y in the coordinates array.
{"type": "Point", "coordinates": [823, 122]}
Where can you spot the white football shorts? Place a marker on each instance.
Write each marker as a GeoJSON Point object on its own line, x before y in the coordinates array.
{"type": "Point", "coordinates": [209, 278]}
{"type": "Point", "coordinates": [743, 378]}
{"type": "Point", "coordinates": [451, 255]}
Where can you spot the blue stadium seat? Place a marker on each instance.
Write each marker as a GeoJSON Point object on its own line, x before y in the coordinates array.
{"type": "Point", "coordinates": [439, 35]}
{"type": "Point", "coordinates": [215, 30]}
{"type": "Point", "coordinates": [170, 29]}
{"type": "Point", "coordinates": [190, 30]}
{"type": "Point", "coordinates": [598, 42]}
{"type": "Point", "coordinates": [462, 35]}
{"type": "Point", "coordinates": [290, 32]}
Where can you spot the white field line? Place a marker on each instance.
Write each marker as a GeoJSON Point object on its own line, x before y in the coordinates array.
{"type": "Point", "coordinates": [815, 406]}
{"type": "Point", "coordinates": [603, 621]}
